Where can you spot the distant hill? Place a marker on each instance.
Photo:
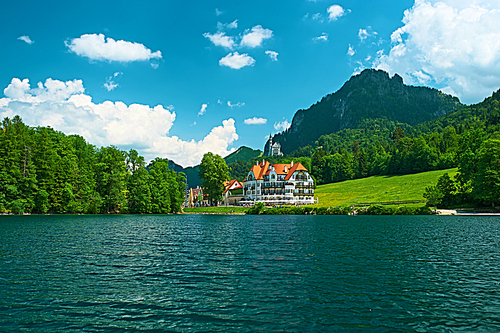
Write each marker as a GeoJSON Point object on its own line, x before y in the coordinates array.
{"type": "Point", "coordinates": [241, 154]}
{"type": "Point", "coordinates": [369, 95]}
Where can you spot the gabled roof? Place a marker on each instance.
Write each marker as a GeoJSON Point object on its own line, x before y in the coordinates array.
{"type": "Point", "coordinates": [259, 170]}
{"type": "Point", "coordinates": [296, 167]}
{"type": "Point", "coordinates": [265, 168]}
{"type": "Point", "coordinates": [232, 185]}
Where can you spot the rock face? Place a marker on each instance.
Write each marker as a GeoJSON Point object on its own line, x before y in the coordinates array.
{"type": "Point", "coordinates": [371, 94]}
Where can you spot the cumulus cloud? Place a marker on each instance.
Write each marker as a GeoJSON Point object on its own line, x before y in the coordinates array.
{"type": "Point", "coordinates": [450, 44]}
{"type": "Point", "coordinates": [65, 107]}
{"type": "Point", "coordinates": [322, 38]}
{"type": "Point", "coordinates": [26, 39]}
{"type": "Point", "coordinates": [98, 47]}
{"type": "Point", "coordinates": [351, 51]}
{"type": "Point", "coordinates": [220, 39]}
{"type": "Point", "coordinates": [273, 55]}
{"type": "Point", "coordinates": [282, 126]}
{"type": "Point", "coordinates": [255, 121]}
{"type": "Point", "coordinates": [254, 37]}
{"type": "Point", "coordinates": [236, 60]}
{"type": "Point", "coordinates": [110, 83]}
{"type": "Point", "coordinates": [335, 12]}
{"type": "Point", "coordinates": [203, 109]}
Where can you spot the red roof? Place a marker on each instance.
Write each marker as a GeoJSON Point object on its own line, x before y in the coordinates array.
{"type": "Point", "coordinates": [232, 185]}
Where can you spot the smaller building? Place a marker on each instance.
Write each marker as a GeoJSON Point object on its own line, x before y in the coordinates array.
{"type": "Point", "coordinates": [195, 197]}
{"type": "Point", "coordinates": [272, 148]}
{"type": "Point", "coordinates": [233, 192]}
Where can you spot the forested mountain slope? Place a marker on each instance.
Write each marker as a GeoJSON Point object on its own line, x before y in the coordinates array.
{"type": "Point", "coordinates": [369, 95]}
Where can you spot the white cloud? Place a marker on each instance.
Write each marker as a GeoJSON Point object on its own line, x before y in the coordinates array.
{"type": "Point", "coordinates": [26, 39]}
{"type": "Point", "coordinates": [351, 51]}
{"type": "Point", "coordinates": [362, 34]}
{"type": "Point", "coordinates": [255, 121]}
{"type": "Point", "coordinates": [273, 55]}
{"type": "Point", "coordinates": [322, 38]}
{"type": "Point", "coordinates": [203, 109]}
{"type": "Point", "coordinates": [236, 60]}
{"type": "Point", "coordinates": [220, 39]}
{"type": "Point", "coordinates": [365, 33]}
{"type": "Point", "coordinates": [254, 37]}
{"type": "Point", "coordinates": [218, 12]}
{"type": "Point", "coordinates": [318, 17]}
{"type": "Point", "coordinates": [224, 26]}
{"type": "Point", "coordinates": [237, 105]}
{"type": "Point", "coordinates": [65, 107]}
{"type": "Point", "coordinates": [450, 44]}
{"type": "Point", "coordinates": [282, 126]}
{"type": "Point", "coordinates": [110, 83]}
{"type": "Point", "coordinates": [98, 47]}
{"type": "Point", "coordinates": [335, 12]}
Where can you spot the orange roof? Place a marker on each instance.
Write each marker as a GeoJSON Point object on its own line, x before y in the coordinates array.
{"type": "Point", "coordinates": [232, 185]}
{"type": "Point", "coordinates": [296, 167]}
{"type": "Point", "coordinates": [260, 169]}
{"type": "Point", "coordinates": [264, 168]}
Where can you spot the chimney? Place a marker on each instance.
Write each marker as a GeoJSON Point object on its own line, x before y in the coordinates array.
{"type": "Point", "coordinates": [291, 164]}
{"type": "Point", "coordinates": [285, 169]}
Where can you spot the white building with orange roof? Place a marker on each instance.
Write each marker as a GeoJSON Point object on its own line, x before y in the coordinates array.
{"type": "Point", "coordinates": [283, 184]}
{"type": "Point", "coordinates": [233, 192]}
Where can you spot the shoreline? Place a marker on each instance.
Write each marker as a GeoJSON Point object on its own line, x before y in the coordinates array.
{"type": "Point", "coordinates": [458, 212]}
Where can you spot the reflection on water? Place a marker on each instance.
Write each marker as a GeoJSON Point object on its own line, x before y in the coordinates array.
{"type": "Point", "coordinates": [249, 273]}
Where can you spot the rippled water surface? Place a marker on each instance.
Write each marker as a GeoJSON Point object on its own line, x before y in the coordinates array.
{"type": "Point", "coordinates": [195, 273]}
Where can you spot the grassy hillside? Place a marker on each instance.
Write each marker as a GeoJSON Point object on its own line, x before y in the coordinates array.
{"type": "Point", "coordinates": [378, 189]}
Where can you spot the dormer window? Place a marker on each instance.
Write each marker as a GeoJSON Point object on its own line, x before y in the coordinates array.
{"type": "Point", "coordinates": [273, 177]}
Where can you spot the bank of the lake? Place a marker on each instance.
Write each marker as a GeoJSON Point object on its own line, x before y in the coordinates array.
{"type": "Point", "coordinates": [249, 273]}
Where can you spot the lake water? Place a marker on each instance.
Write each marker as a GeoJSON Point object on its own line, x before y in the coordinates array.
{"type": "Point", "coordinates": [195, 273]}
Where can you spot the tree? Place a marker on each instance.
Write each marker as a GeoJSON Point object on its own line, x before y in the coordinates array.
{"type": "Point", "coordinates": [111, 179]}
{"type": "Point", "coordinates": [487, 180]}
{"type": "Point", "coordinates": [213, 173]}
{"type": "Point", "coordinates": [433, 195]}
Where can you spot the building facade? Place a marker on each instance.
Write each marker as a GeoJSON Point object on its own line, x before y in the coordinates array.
{"type": "Point", "coordinates": [233, 192]}
{"type": "Point", "coordinates": [272, 148]}
{"type": "Point", "coordinates": [282, 184]}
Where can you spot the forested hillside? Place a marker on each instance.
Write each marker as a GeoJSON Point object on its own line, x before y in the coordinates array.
{"type": "Point", "coordinates": [369, 95]}
{"type": "Point", "coordinates": [468, 139]}
{"type": "Point", "coordinates": [45, 171]}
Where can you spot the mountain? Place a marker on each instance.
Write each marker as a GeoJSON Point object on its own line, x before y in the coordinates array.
{"type": "Point", "coordinates": [241, 154]}
{"type": "Point", "coordinates": [369, 95]}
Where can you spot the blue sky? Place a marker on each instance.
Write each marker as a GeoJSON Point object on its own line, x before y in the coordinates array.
{"type": "Point", "coordinates": [177, 79]}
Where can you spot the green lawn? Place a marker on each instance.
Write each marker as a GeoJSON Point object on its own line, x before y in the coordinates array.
{"type": "Point", "coordinates": [378, 189]}
{"type": "Point", "coordinates": [215, 210]}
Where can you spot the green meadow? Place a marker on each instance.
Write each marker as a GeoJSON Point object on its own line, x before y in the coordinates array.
{"type": "Point", "coordinates": [378, 189]}
{"type": "Point", "coordinates": [215, 210]}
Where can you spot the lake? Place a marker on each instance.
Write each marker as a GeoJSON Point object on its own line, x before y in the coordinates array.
{"type": "Point", "coordinates": [201, 273]}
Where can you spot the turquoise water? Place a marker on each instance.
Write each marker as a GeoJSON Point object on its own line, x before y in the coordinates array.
{"type": "Point", "coordinates": [200, 273]}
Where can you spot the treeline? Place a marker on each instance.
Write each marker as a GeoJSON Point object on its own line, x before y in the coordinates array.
{"type": "Point", "coordinates": [260, 209]}
{"type": "Point", "coordinates": [45, 171]}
